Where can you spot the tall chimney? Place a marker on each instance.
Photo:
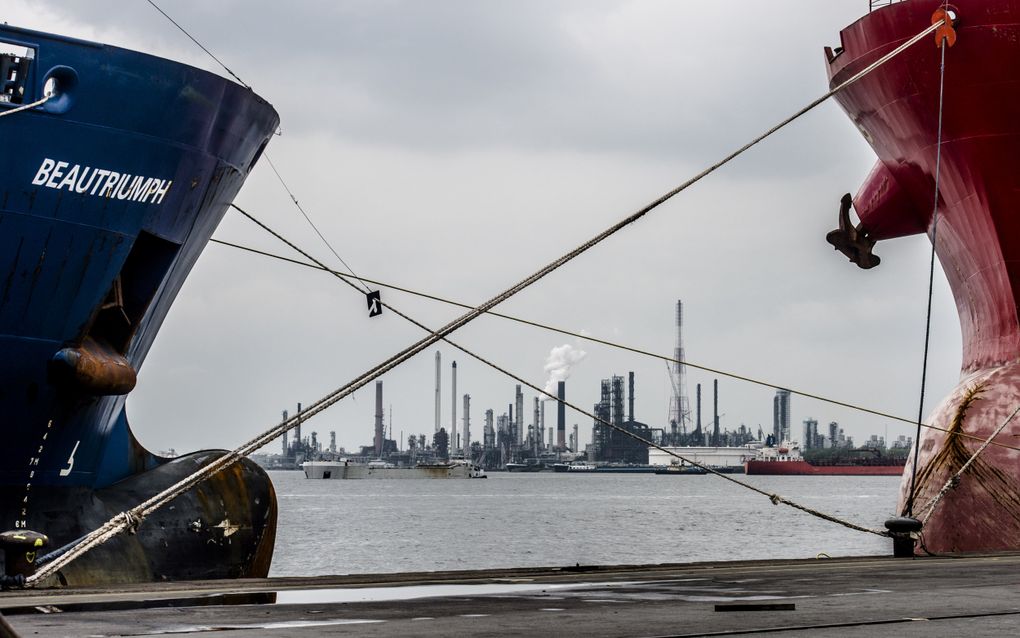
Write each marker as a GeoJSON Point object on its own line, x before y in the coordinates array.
{"type": "Point", "coordinates": [520, 416]}
{"type": "Point", "coordinates": [467, 426]}
{"type": "Point", "coordinates": [378, 420]}
{"type": "Point", "coordinates": [577, 443]}
{"type": "Point", "coordinates": [697, 427]}
{"type": "Point", "coordinates": [561, 415]}
{"type": "Point", "coordinates": [630, 398]}
{"type": "Point", "coordinates": [715, 410]}
{"type": "Point", "coordinates": [541, 420]}
{"type": "Point", "coordinates": [439, 381]}
{"type": "Point", "coordinates": [286, 449]}
{"type": "Point", "coordinates": [453, 409]}
{"type": "Point", "coordinates": [297, 430]}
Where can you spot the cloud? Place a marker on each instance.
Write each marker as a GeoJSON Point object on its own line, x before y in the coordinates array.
{"type": "Point", "coordinates": [559, 363]}
{"type": "Point", "coordinates": [453, 147]}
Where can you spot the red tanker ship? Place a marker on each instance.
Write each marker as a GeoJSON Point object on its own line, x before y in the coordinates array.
{"type": "Point", "coordinates": [977, 241]}
{"type": "Point", "coordinates": [786, 460]}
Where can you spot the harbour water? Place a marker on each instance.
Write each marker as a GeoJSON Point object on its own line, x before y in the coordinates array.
{"type": "Point", "coordinates": [549, 519]}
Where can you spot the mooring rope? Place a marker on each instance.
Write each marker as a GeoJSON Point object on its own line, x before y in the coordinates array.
{"type": "Point", "coordinates": [954, 480]}
{"type": "Point", "coordinates": [192, 38]}
{"type": "Point", "coordinates": [268, 160]}
{"type": "Point", "coordinates": [25, 107]}
{"type": "Point", "coordinates": [943, 44]}
{"type": "Point", "coordinates": [122, 521]}
{"type": "Point", "coordinates": [301, 209]}
{"type": "Point", "coordinates": [775, 498]}
{"type": "Point", "coordinates": [613, 344]}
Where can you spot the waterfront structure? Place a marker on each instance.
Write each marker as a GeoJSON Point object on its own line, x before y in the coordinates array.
{"type": "Point", "coordinates": [519, 423]}
{"type": "Point", "coordinates": [379, 433]}
{"type": "Point", "coordinates": [709, 456]}
{"type": "Point", "coordinates": [781, 416]}
{"type": "Point", "coordinates": [439, 381]}
{"type": "Point", "coordinates": [466, 446]}
{"type": "Point", "coordinates": [812, 440]}
{"type": "Point", "coordinates": [345, 469]}
{"type": "Point", "coordinates": [561, 415]}
{"type": "Point", "coordinates": [453, 408]}
{"type": "Point", "coordinates": [286, 448]}
{"type": "Point", "coordinates": [715, 412]}
{"type": "Point", "coordinates": [610, 444]}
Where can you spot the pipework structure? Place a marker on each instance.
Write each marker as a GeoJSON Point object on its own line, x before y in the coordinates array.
{"type": "Point", "coordinates": [609, 444]}
{"type": "Point", "coordinates": [453, 408]}
{"type": "Point", "coordinates": [489, 433]}
{"type": "Point", "coordinates": [439, 382]}
{"type": "Point", "coordinates": [561, 415]}
{"type": "Point", "coordinates": [379, 434]}
{"type": "Point", "coordinates": [466, 447]}
{"type": "Point", "coordinates": [781, 416]}
{"type": "Point", "coordinates": [535, 434]}
{"type": "Point", "coordinates": [520, 416]}
{"type": "Point", "coordinates": [715, 412]}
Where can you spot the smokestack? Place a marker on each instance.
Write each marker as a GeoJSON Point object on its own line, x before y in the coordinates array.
{"type": "Point", "coordinates": [378, 420]}
{"type": "Point", "coordinates": [630, 398]}
{"type": "Point", "coordinates": [715, 410]}
{"type": "Point", "coordinates": [577, 444]}
{"type": "Point", "coordinates": [286, 448]}
{"type": "Point", "coordinates": [297, 431]}
{"type": "Point", "coordinates": [541, 420]}
{"type": "Point", "coordinates": [520, 416]}
{"type": "Point", "coordinates": [439, 381]}
{"type": "Point", "coordinates": [453, 409]}
{"type": "Point", "coordinates": [561, 414]}
{"type": "Point", "coordinates": [697, 427]}
{"type": "Point", "coordinates": [467, 426]}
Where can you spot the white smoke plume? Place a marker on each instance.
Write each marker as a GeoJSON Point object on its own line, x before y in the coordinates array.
{"type": "Point", "coordinates": [558, 364]}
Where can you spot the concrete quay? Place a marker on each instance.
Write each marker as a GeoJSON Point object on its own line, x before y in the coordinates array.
{"type": "Point", "coordinates": [970, 595]}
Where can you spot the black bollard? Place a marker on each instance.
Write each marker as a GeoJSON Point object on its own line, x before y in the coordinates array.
{"type": "Point", "coordinates": [903, 529]}
{"type": "Point", "coordinates": [21, 548]}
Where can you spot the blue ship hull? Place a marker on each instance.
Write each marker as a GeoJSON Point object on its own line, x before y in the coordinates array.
{"type": "Point", "coordinates": [108, 194]}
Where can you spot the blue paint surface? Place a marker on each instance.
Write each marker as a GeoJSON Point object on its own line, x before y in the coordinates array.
{"type": "Point", "coordinates": [64, 254]}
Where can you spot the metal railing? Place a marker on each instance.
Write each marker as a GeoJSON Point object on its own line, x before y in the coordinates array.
{"type": "Point", "coordinates": [877, 4]}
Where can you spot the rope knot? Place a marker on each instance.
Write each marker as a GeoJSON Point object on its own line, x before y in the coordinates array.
{"type": "Point", "coordinates": [132, 522]}
{"type": "Point", "coordinates": [775, 498]}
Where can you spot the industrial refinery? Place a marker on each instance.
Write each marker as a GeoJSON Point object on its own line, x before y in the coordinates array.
{"type": "Point", "coordinates": [516, 436]}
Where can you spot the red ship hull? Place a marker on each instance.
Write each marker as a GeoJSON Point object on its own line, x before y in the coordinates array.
{"type": "Point", "coordinates": [803, 468]}
{"type": "Point", "coordinates": [977, 239]}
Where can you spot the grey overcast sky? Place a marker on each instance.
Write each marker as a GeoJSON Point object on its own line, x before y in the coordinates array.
{"type": "Point", "coordinates": [453, 147]}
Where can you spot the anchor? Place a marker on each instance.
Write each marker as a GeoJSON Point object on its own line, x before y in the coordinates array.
{"type": "Point", "coordinates": [852, 241]}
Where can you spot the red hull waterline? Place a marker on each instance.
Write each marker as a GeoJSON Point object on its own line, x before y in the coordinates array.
{"type": "Point", "coordinates": [977, 242]}
{"type": "Point", "coordinates": [803, 468]}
